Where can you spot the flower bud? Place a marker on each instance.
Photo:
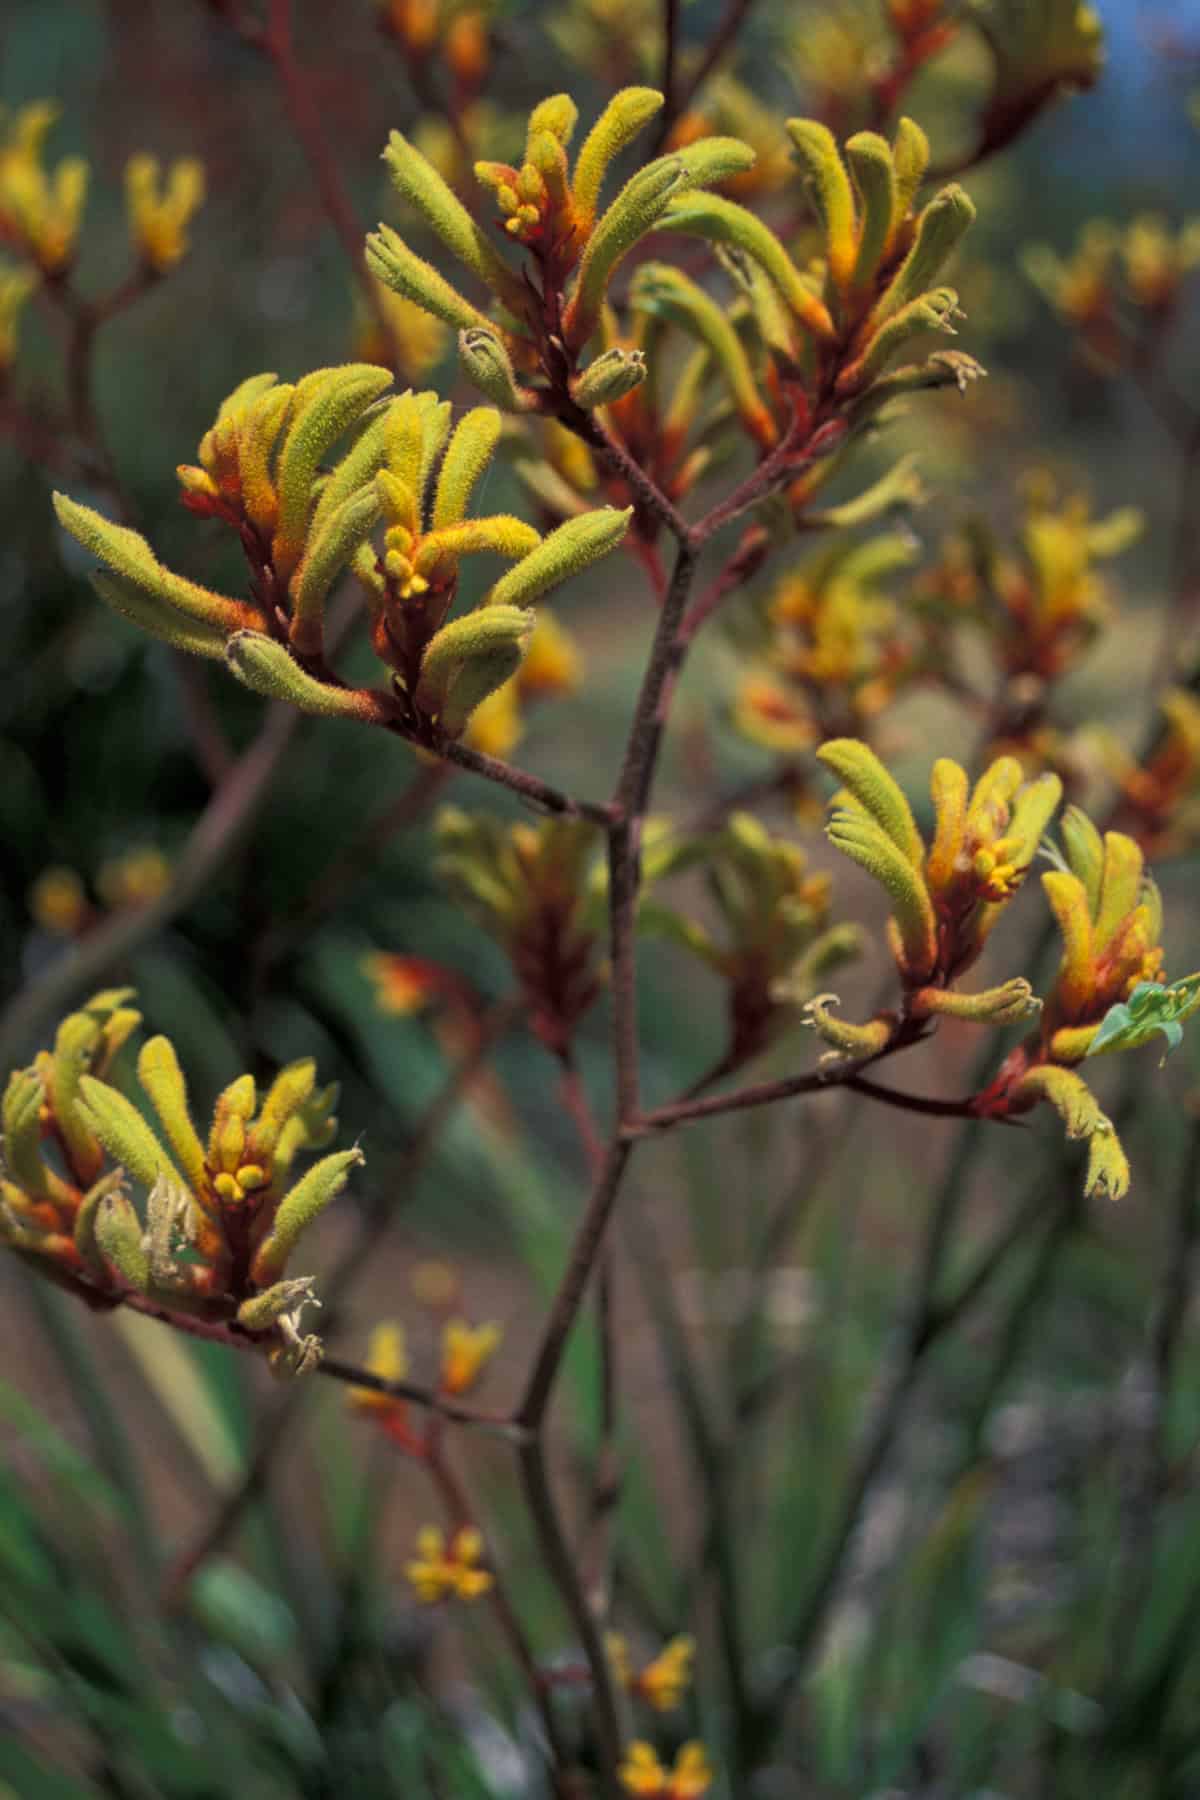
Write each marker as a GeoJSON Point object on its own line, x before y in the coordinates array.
{"type": "Point", "coordinates": [612, 375]}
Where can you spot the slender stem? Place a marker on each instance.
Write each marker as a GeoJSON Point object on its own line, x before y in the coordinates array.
{"type": "Point", "coordinates": [759, 1093]}
{"type": "Point", "coordinates": [459, 1513]}
{"type": "Point", "coordinates": [920, 1330]}
{"type": "Point", "coordinates": [722, 41]}
{"type": "Point", "coordinates": [648, 495]}
{"type": "Point", "coordinates": [915, 1103]}
{"type": "Point", "coordinates": [560, 1562]}
{"type": "Point", "coordinates": [1149, 1474]}
{"type": "Point", "coordinates": [649, 718]}
{"type": "Point", "coordinates": [721, 1537]}
{"type": "Point", "coordinates": [670, 62]}
{"type": "Point", "coordinates": [530, 788]}
{"type": "Point", "coordinates": [791, 456]}
{"type": "Point", "coordinates": [606, 1481]}
{"type": "Point", "coordinates": [622, 921]}
{"type": "Point", "coordinates": [564, 1309]}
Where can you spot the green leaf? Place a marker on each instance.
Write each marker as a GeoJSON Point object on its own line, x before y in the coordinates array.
{"type": "Point", "coordinates": [1151, 1008]}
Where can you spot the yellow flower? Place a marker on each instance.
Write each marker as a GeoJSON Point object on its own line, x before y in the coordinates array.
{"type": "Point", "coordinates": [134, 879]}
{"type": "Point", "coordinates": [1109, 913]}
{"type": "Point", "coordinates": [495, 727]}
{"type": "Point", "coordinates": [161, 205]}
{"type": "Point", "coordinates": [444, 1569]}
{"type": "Point", "coordinates": [1157, 262]}
{"type": "Point", "coordinates": [644, 1775]}
{"type": "Point", "coordinates": [769, 714]}
{"type": "Point", "coordinates": [387, 1357]}
{"type": "Point", "coordinates": [412, 342]}
{"type": "Point", "coordinates": [434, 1284]}
{"type": "Point", "coordinates": [58, 902]}
{"type": "Point", "coordinates": [664, 1681]}
{"type": "Point", "coordinates": [466, 1351]}
{"type": "Point", "coordinates": [16, 285]}
{"type": "Point", "coordinates": [552, 663]}
{"type": "Point", "coordinates": [40, 210]}
{"type": "Point", "coordinates": [945, 900]}
{"type": "Point", "coordinates": [693, 1773]}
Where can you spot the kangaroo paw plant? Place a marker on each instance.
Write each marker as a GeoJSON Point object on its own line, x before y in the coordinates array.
{"type": "Point", "coordinates": [676, 354]}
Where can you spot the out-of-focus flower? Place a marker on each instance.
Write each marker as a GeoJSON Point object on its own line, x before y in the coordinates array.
{"type": "Point", "coordinates": [1040, 49]}
{"type": "Point", "coordinates": [406, 338]}
{"type": "Point", "coordinates": [457, 34]}
{"type": "Point", "coordinates": [528, 886]}
{"type": "Point", "coordinates": [832, 54]}
{"type": "Point", "coordinates": [466, 1352]}
{"type": "Point", "coordinates": [1050, 600]}
{"type": "Point", "coordinates": [728, 108]}
{"type": "Point", "coordinates": [552, 663]}
{"type": "Point", "coordinates": [496, 727]}
{"type": "Point", "coordinates": [643, 1775]}
{"type": "Point", "coordinates": [40, 211]}
{"type": "Point", "coordinates": [1162, 795]}
{"type": "Point", "coordinates": [772, 714]}
{"type": "Point", "coordinates": [775, 942]}
{"type": "Point", "coordinates": [161, 205]}
{"type": "Point", "coordinates": [1081, 286]}
{"type": "Point", "coordinates": [387, 1357]}
{"type": "Point", "coordinates": [435, 1284]}
{"type": "Point", "coordinates": [16, 286]}
{"type": "Point", "coordinates": [134, 879]}
{"type": "Point", "coordinates": [403, 984]}
{"type": "Point", "coordinates": [448, 1568]}
{"type": "Point", "coordinates": [832, 653]}
{"type": "Point", "coordinates": [664, 1680]}
{"type": "Point", "coordinates": [58, 902]}
{"type": "Point", "coordinates": [1158, 260]}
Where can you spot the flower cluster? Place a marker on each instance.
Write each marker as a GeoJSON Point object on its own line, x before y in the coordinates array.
{"type": "Point", "coordinates": [41, 210]}
{"type": "Point", "coordinates": [794, 337]}
{"type": "Point", "coordinates": [776, 942]}
{"type": "Point", "coordinates": [408, 475]}
{"type": "Point", "coordinates": [946, 898]}
{"type": "Point", "coordinates": [222, 1216]}
{"type": "Point", "coordinates": [527, 885]}
{"type": "Point", "coordinates": [444, 33]}
{"type": "Point", "coordinates": [831, 655]}
{"type": "Point", "coordinates": [552, 209]}
{"type": "Point", "coordinates": [1161, 795]}
{"type": "Point", "coordinates": [1109, 994]}
{"type": "Point", "coordinates": [41, 214]}
{"type": "Point", "coordinates": [1114, 279]}
{"type": "Point", "coordinates": [1040, 50]}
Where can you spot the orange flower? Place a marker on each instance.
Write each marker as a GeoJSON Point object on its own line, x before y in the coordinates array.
{"type": "Point", "coordinates": [403, 984]}
{"type": "Point", "coordinates": [466, 1351]}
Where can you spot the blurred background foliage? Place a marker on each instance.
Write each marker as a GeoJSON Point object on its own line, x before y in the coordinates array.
{"type": "Point", "coordinates": [1019, 1612]}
